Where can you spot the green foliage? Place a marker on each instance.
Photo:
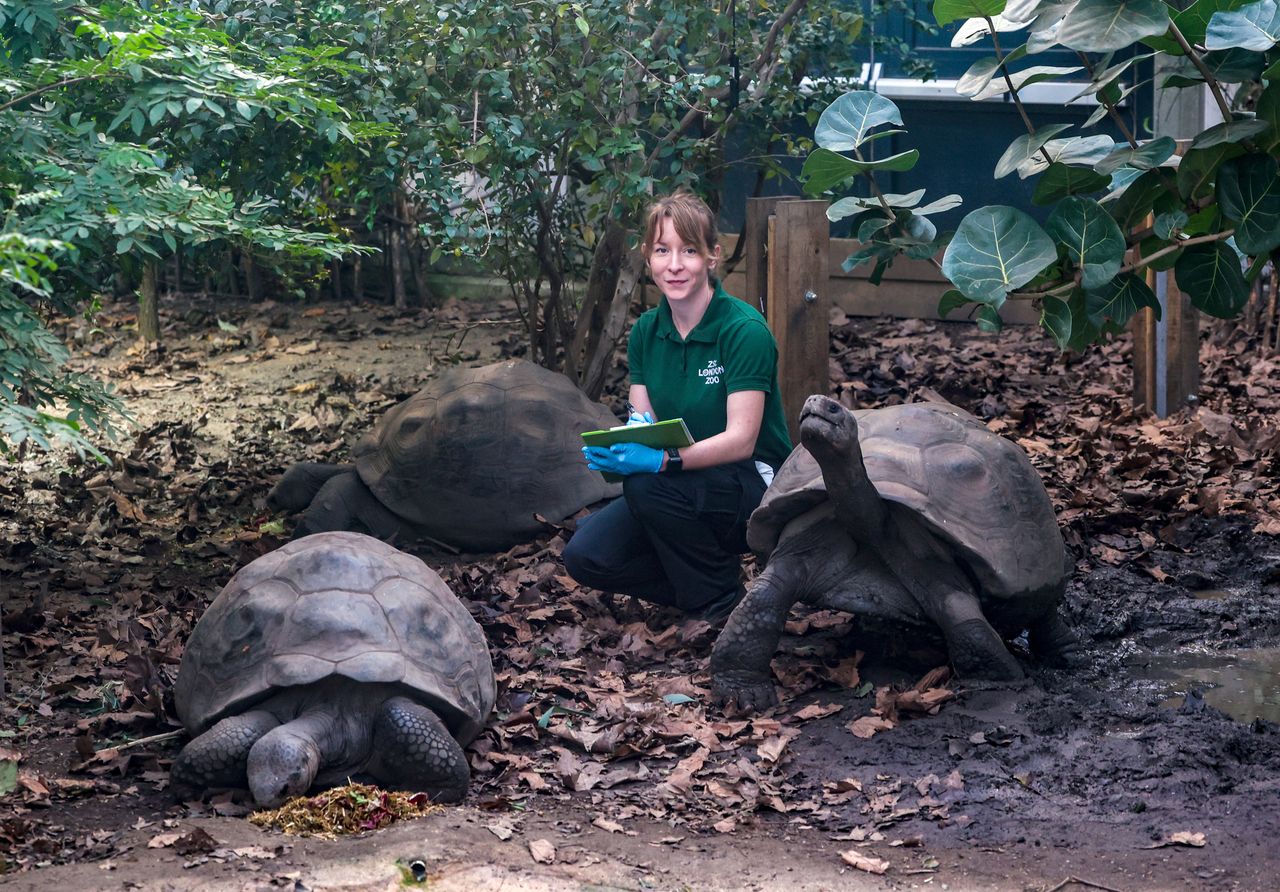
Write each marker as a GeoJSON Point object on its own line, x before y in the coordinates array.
{"type": "Point", "coordinates": [1118, 210]}
{"type": "Point", "coordinates": [114, 115]}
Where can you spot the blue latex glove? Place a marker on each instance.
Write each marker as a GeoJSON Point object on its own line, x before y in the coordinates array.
{"type": "Point", "coordinates": [624, 458]}
{"type": "Point", "coordinates": [637, 418]}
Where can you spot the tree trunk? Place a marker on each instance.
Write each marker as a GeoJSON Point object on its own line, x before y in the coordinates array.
{"type": "Point", "coordinates": [250, 274]}
{"type": "Point", "coordinates": [606, 263]}
{"type": "Point", "coordinates": [148, 305]}
{"type": "Point", "coordinates": [397, 265]}
{"type": "Point", "coordinates": [335, 279]}
{"type": "Point", "coordinates": [357, 283]}
{"type": "Point", "coordinates": [604, 343]}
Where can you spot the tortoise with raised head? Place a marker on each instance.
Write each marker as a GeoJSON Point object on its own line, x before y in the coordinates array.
{"type": "Point", "coordinates": [470, 460]}
{"type": "Point", "coordinates": [913, 514]}
{"type": "Point", "coordinates": [336, 656]}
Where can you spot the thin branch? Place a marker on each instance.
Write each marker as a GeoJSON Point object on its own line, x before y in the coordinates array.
{"type": "Point", "coordinates": [762, 70]}
{"type": "Point", "coordinates": [1198, 62]}
{"type": "Point", "coordinates": [1112, 111]}
{"type": "Point", "coordinates": [1140, 263]}
{"type": "Point", "coordinates": [65, 82]}
{"type": "Point", "coordinates": [1169, 249]}
{"type": "Point", "coordinates": [1013, 91]}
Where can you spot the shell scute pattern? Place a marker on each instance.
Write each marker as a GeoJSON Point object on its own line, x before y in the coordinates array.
{"type": "Point", "coordinates": [975, 488]}
{"type": "Point", "coordinates": [481, 450]}
{"type": "Point", "coordinates": [336, 604]}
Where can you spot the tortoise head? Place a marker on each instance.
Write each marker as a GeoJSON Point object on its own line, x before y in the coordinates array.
{"type": "Point", "coordinates": [827, 429]}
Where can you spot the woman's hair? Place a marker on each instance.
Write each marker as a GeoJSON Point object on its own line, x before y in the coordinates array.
{"type": "Point", "coordinates": [692, 219]}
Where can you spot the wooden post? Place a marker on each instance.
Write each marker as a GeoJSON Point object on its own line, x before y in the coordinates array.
{"type": "Point", "coordinates": [755, 235]}
{"type": "Point", "coordinates": [1166, 352]}
{"type": "Point", "coordinates": [798, 302]}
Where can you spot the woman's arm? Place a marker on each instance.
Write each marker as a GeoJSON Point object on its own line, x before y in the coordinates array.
{"type": "Point", "coordinates": [745, 412]}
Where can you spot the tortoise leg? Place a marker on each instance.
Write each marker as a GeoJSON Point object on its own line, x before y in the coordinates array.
{"type": "Point", "coordinates": [218, 757]}
{"type": "Point", "coordinates": [915, 555]}
{"type": "Point", "coordinates": [1053, 642]}
{"type": "Point", "coordinates": [298, 486]}
{"type": "Point", "coordinates": [814, 556]}
{"type": "Point", "coordinates": [413, 750]}
{"type": "Point", "coordinates": [345, 503]}
{"type": "Point", "coordinates": [946, 596]}
{"type": "Point", "coordinates": [740, 670]}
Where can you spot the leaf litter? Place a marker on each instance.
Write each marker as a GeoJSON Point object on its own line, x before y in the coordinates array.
{"type": "Point", "coordinates": [598, 696]}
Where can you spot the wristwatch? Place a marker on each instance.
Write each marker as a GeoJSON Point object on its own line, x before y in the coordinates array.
{"type": "Point", "coordinates": [674, 461]}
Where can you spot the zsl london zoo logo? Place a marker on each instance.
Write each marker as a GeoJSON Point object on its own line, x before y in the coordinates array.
{"type": "Point", "coordinates": [711, 374]}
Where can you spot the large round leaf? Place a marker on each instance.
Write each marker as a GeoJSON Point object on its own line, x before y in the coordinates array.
{"type": "Point", "coordinates": [1024, 147]}
{"type": "Point", "coordinates": [847, 121]}
{"type": "Point", "coordinates": [947, 11]}
{"type": "Point", "coordinates": [995, 250]}
{"type": "Point", "coordinates": [1211, 275]}
{"type": "Point", "coordinates": [1102, 26]}
{"type": "Point", "coordinates": [1119, 299]}
{"type": "Point", "coordinates": [824, 169]}
{"type": "Point", "coordinates": [1253, 27]}
{"type": "Point", "coordinates": [1229, 131]}
{"type": "Point", "coordinates": [1060, 181]}
{"type": "Point", "coordinates": [1092, 239]}
{"type": "Point", "coordinates": [1199, 167]}
{"type": "Point", "coordinates": [1248, 192]}
{"type": "Point", "coordinates": [1055, 316]}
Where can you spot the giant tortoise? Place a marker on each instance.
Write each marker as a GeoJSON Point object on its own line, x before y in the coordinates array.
{"type": "Point", "coordinates": [334, 657]}
{"type": "Point", "coordinates": [470, 460]}
{"type": "Point", "coordinates": [913, 514]}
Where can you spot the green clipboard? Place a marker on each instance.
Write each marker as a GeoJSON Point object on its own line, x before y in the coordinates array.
{"type": "Point", "coordinates": [671, 433]}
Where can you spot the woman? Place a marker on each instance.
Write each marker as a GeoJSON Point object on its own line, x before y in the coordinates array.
{"type": "Point", "coordinates": [675, 536]}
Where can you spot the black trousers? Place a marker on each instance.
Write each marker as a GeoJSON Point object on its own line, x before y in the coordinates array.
{"type": "Point", "coordinates": [673, 539]}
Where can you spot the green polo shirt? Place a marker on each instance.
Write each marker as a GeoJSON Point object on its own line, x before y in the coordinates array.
{"type": "Point", "coordinates": [730, 350]}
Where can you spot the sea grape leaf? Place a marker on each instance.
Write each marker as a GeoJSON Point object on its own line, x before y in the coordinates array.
{"type": "Point", "coordinates": [1253, 27]}
{"type": "Point", "coordinates": [1101, 26]}
{"type": "Point", "coordinates": [1055, 317]}
{"type": "Point", "coordinates": [995, 250]}
{"type": "Point", "coordinates": [1024, 147]}
{"type": "Point", "coordinates": [1229, 131]}
{"type": "Point", "coordinates": [824, 169]}
{"type": "Point", "coordinates": [1248, 191]}
{"type": "Point", "coordinates": [947, 11]}
{"type": "Point", "coordinates": [1211, 274]}
{"type": "Point", "coordinates": [1146, 156]}
{"type": "Point", "coordinates": [1119, 299]}
{"type": "Point", "coordinates": [1059, 181]}
{"type": "Point", "coordinates": [1092, 239]}
{"type": "Point", "coordinates": [845, 123]}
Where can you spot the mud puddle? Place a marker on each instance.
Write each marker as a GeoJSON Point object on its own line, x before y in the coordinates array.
{"type": "Point", "coordinates": [1244, 683]}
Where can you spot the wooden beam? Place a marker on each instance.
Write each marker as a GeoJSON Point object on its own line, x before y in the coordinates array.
{"type": "Point", "coordinates": [798, 305]}
{"type": "Point", "coordinates": [755, 256]}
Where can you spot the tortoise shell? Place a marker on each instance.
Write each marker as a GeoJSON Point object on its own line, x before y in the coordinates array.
{"type": "Point", "coordinates": [973, 488]}
{"type": "Point", "coordinates": [336, 604]}
{"type": "Point", "coordinates": [474, 455]}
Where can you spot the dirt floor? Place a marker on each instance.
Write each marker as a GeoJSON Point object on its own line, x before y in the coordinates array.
{"type": "Point", "coordinates": [606, 766]}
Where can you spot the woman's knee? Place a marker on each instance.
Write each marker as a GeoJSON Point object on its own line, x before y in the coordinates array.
{"type": "Point", "coordinates": [583, 563]}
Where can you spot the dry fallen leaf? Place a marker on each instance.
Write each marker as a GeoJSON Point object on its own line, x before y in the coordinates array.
{"type": "Point", "coordinates": [1180, 838]}
{"type": "Point", "coordinates": [865, 862]}
{"type": "Point", "coordinates": [501, 831]}
{"type": "Point", "coordinates": [817, 711]}
{"type": "Point", "coordinates": [542, 851]}
{"type": "Point", "coordinates": [868, 725]}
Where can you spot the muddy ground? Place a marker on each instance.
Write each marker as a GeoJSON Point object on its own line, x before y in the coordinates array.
{"type": "Point", "coordinates": [1124, 775]}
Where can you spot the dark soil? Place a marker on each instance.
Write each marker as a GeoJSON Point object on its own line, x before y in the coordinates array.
{"type": "Point", "coordinates": [1107, 774]}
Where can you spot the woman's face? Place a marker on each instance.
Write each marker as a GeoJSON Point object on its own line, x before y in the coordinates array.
{"type": "Point", "coordinates": [679, 271]}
